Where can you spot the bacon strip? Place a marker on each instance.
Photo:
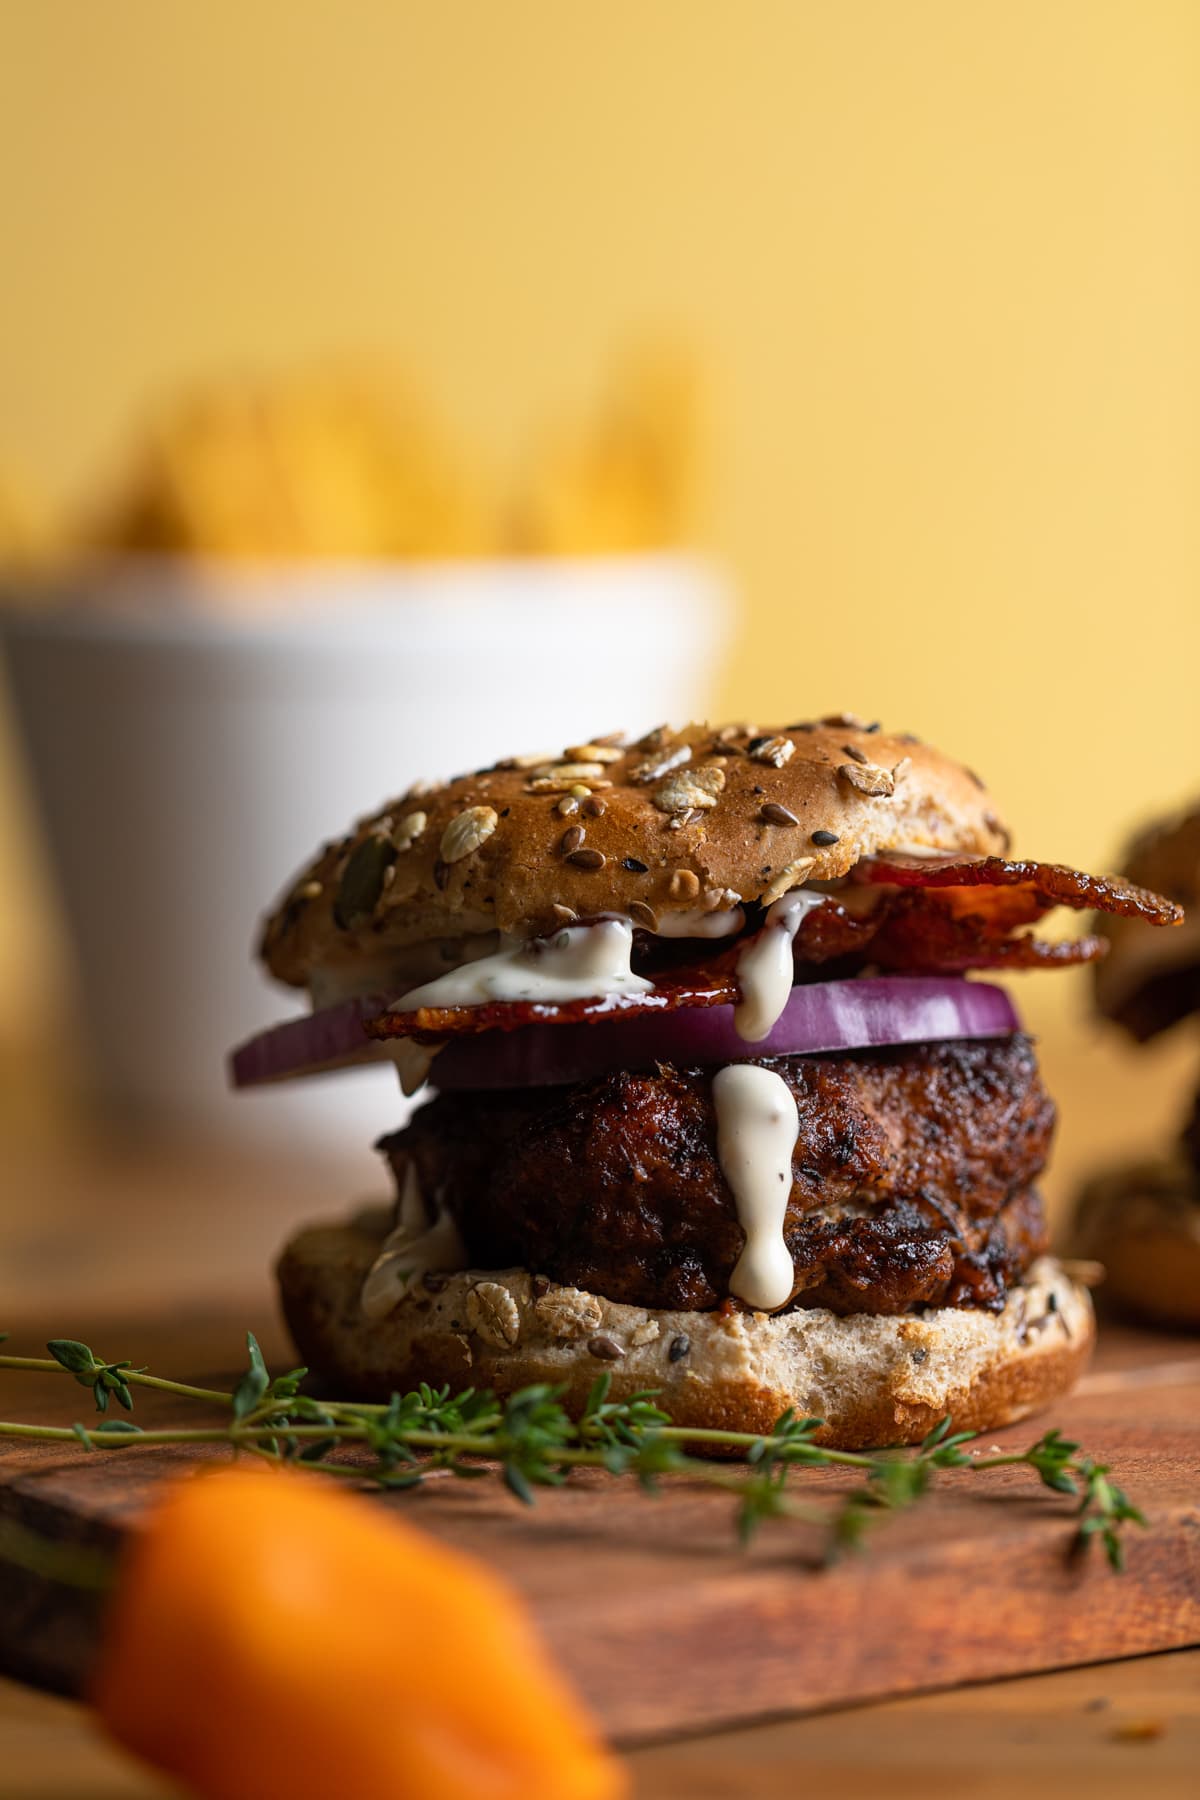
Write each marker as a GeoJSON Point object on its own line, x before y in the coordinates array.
{"type": "Point", "coordinates": [925, 931]}
{"type": "Point", "coordinates": [713, 985]}
{"type": "Point", "coordinates": [1053, 884]}
{"type": "Point", "coordinates": [927, 917]}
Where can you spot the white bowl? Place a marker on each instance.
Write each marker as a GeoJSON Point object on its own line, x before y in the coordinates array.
{"type": "Point", "coordinates": [193, 734]}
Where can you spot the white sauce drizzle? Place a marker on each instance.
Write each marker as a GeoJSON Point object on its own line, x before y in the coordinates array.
{"type": "Point", "coordinates": [582, 962]}
{"type": "Point", "coordinates": [765, 970]}
{"type": "Point", "coordinates": [415, 1248]}
{"type": "Point", "coordinates": [757, 1127]}
{"type": "Point", "coordinates": [413, 1061]}
{"type": "Point", "coordinates": [397, 970]}
{"type": "Point", "coordinates": [701, 924]}
{"type": "Point", "coordinates": [933, 851]}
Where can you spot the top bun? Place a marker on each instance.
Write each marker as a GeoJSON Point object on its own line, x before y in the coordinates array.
{"type": "Point", "coordinates": [681, 821]}
{"type": "Point", "coordinates": [1140, 984]}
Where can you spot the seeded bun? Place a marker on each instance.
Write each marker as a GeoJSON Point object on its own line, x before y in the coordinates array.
{"type": "Point", "coordinates": [680, 820]}
{"type": "Point", "coordinates": [1149, 980]}
{"type": "Point", "coordinates": [875, 1380]}
{"type": "Point", "coordinates": [1143, 1223]}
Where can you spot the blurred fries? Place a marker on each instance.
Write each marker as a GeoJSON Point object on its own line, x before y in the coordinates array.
{"type": "Point", "coordinates": [344, 463]}
{"type": "Point", "coordinates": [626, 482]}
{"type": "Point", "coordinates": [327, 465]}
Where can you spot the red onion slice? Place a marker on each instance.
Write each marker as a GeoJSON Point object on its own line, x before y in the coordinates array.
{"type": "Point", "coordinates": [819, 1016]}
{"type": "Point", "coordinates": [311, 1044]}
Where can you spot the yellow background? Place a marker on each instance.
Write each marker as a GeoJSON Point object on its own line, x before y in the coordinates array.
{"type": "Point", "coordinates": [941, 260]}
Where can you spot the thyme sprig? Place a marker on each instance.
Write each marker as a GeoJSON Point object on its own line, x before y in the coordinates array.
{"type": "Point", "coordinates": [536, 1443]}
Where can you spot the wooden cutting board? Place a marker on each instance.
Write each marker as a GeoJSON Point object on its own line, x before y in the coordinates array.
{"type": "Point", "coordinates": [648, 1603]}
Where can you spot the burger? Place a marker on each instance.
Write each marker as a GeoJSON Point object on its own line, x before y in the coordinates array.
{"type": "Point", "coordinates": [1143, 1220]}
{"type": "Point", "coordinates": [719, 1107]}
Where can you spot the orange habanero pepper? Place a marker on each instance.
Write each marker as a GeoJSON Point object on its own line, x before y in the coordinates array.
{"type": "Point", "coordinates": [271, 1637]}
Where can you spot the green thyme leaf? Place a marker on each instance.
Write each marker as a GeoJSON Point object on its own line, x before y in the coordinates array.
{"type": "Point", "coordinates": [72, 1355]}
{"type": "Point", "coordinates": [597, 1395]}
{"type": "Point", "coordinates": [254, 1383]}
{"type": "Point", "coordinates": [286, 1387]}
{"type": "Point", "coordinates": [517, 1482]}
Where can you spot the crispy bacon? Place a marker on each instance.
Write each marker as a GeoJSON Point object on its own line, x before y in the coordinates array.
{"type": "Point", "coordinates": [1052, 884]}
{"type": "Point", "coordinates": [713, 984]}
{"type": "Point", "coordinates": [924, 916]}
{"type": "Point", "coordinates": [922, 940]}
{"type": "Point", "coordinates": [925, 931]}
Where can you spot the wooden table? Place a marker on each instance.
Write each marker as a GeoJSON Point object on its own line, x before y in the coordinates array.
{"type": "Point", "coordinates": [141, 1231]}
{"type": "Point", "coordinates": [1107, 1732]}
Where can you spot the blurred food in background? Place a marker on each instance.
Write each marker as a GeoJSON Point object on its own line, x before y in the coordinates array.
{"type": "Point", "coordinates": [297, 594]}
{"type": "Point", "coordinates": [270, 1636]}
{"type": "Point", "coordinates": [322, 463]}
{"type": "Point", "coordinates": [346, 462]}
{"type": "Point", "coordinates": [1142, 1219]}
{"type": "Point", "coordinates": [1148, 988]}
{"type": "Point", "coordinates": [623, 482]}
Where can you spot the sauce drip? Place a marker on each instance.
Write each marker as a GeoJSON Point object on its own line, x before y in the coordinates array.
{"type": "Point", "coordinates": [765, 970]}
{"type": "Point", "coordinates": [757, 1127]}
{"type": "Point", "coordinates": [578, 963]}
{"type": "Point", "coordinates": [413, 1062]}
{"type": "Point", "coordinates": [726, 923]}
{"type": "Point", "coordinates": [415, 1248]}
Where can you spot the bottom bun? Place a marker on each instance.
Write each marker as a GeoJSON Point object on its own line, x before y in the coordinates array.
{"type": "Point", "coordinates": [1143, 1223]}
{"type": "Point", "coordinates": [874, 1380]}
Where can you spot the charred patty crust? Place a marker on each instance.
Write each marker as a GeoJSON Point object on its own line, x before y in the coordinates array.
{"type": "Point", "coordinates": [911, 1179]}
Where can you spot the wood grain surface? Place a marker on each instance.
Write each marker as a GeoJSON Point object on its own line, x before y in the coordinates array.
{"type": "Point", "coordinates": [1106, 1731]}
{"type": "Point", "coordinates": [665, 1625]}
